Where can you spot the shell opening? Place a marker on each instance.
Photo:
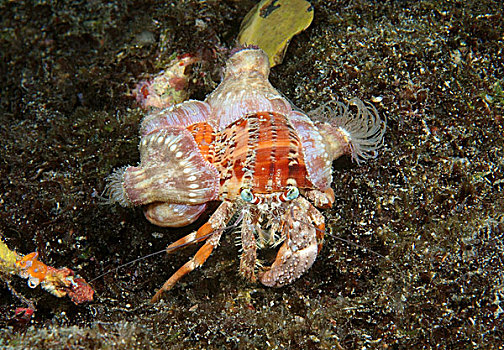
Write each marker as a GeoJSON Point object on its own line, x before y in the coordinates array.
{"type": "Point", "coordinates": [248, 60]}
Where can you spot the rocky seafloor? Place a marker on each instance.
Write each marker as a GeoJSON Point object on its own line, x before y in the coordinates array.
{"type": "Point", "coordinates": [415, 258]}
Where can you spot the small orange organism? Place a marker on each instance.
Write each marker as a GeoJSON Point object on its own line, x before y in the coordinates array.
{"type": "Point", "coordinates": [32, 269]}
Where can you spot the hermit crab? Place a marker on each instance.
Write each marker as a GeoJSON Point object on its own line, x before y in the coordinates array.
{"type": "Point", "coordinates": [266, 162]}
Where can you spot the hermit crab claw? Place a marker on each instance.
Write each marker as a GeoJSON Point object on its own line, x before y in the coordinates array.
{"type": "Point", "coordinates": [303, 229]}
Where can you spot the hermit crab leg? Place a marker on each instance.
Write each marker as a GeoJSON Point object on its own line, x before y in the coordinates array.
{"type": "Point", "coordinates": [302, 243]}
{"type": "Point", "coordinates": [319, 222]}
{"type": "Point", "coordinates": [249, 255]}
{"type": "Point", "coordinates": [199, 258]}
{"type": "Point", "coordinates": [203, 233]}
{"type": "Point", "coordinates": [216, 223]}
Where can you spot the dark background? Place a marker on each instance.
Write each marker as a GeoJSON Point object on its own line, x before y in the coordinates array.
{"type": "Point", "coordinates": [431, 202]}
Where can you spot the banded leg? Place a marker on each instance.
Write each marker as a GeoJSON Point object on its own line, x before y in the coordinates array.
{"type": "Point", "coordinates": [215, 224]}
{"type": "Point", "coordinates": [249, 255]}
{"type": "Point", "coordinates": [199, 258]}
{"type": "Point", "coordinates": [204, 233]}
{"type": "Point", "coordinates": [320, 199]}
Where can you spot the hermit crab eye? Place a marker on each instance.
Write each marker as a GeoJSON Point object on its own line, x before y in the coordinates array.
{"type": "Point", "coordinates": [293, 193]}
{"type": "Point", "coordinates": [247, 195]}
{"type": "Point", "coordinates": [289, 194]}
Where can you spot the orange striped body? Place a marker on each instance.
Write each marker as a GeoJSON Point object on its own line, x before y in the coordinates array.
{"type": "Point", "coordinates": [204, 136]}
{"type": "Point", "coordinates": [261, 151]}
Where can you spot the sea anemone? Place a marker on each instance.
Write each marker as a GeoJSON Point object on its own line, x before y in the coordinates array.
{"type": "Point", "coordinates": [356, 131]}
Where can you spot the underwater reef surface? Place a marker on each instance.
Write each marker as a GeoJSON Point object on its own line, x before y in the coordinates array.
{"type": "Point", "coordinates": [415, 256]}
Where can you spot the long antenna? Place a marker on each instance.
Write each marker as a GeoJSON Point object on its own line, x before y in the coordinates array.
{"type": "Point", "coordinates": [169, 249]}
{"type": "Point", "coordinates": [351, 243]}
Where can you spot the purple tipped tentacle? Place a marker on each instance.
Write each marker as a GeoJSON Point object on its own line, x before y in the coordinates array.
{"type": "Point", "coordinates": [358, 132]}
{"type": "Point", "coordinates": [115, 190]}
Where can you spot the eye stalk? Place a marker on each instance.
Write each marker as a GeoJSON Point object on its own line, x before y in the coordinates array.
{"type": "Point", "coordinates": [247, 195]}
{"type": "Point", "coordinates": [289, 194]}
{"type": "Point", "coordinates": [292, 193]}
